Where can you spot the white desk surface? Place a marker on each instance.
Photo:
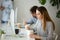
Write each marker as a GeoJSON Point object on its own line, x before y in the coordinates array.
{"type": "Point", "coordinates": [9, 31]}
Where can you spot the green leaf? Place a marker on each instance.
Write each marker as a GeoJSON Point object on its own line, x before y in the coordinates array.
{"type": "Point", "coordinates": [42, 2]}
{"type": "Point", "coordinates": [1, 32]}
{"type": "Point", "coordinates": [58, 14]}
{"type": "Point", "coordinates": [55, 3]}
{"type": "Point", "coordinates": [51, 1]}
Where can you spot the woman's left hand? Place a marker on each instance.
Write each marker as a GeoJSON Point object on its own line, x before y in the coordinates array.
{"type": "Point", "coordinates": [32, 35]}
{"type": "Point", "coordinates": [35, 36]}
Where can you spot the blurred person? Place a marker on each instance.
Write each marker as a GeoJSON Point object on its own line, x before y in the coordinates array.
{"type": "Point", "coordinates": [6, 9]}
{"type": "Point", "coordinates": [34, 18]}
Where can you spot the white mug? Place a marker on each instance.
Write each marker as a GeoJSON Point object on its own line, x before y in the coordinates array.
{"type": "Point", "coordinates": [29, 32]}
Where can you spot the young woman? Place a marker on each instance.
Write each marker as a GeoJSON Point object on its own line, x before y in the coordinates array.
{"type": "Point", "coordinates": [44, 26]}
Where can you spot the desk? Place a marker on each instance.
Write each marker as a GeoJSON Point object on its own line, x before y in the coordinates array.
{"type": "Point", "coordinates": [15, 38]}
{"type": "Point", "coordinates": [11, 36]}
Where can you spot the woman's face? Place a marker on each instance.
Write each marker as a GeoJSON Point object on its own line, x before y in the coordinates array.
{"type": "Point", "coordinates": [39, 15]}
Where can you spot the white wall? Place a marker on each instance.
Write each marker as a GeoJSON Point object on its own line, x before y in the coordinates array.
{"type": "Point", "coordinates": [24, 14]}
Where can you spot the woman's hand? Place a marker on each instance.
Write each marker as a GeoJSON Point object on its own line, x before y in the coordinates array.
{"type": "Point", "coordinates": [35, 36]}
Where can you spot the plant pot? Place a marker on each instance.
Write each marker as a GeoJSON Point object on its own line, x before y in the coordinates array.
{"type": "Point", "coordinates": [3, 36]}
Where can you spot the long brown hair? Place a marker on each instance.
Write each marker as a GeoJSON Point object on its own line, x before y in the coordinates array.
{"type": "Point", "coordinates": [46, 17]}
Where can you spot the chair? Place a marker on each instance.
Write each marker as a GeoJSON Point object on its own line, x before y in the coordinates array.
{"type": "Point", "coordinates": [55, 36]}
